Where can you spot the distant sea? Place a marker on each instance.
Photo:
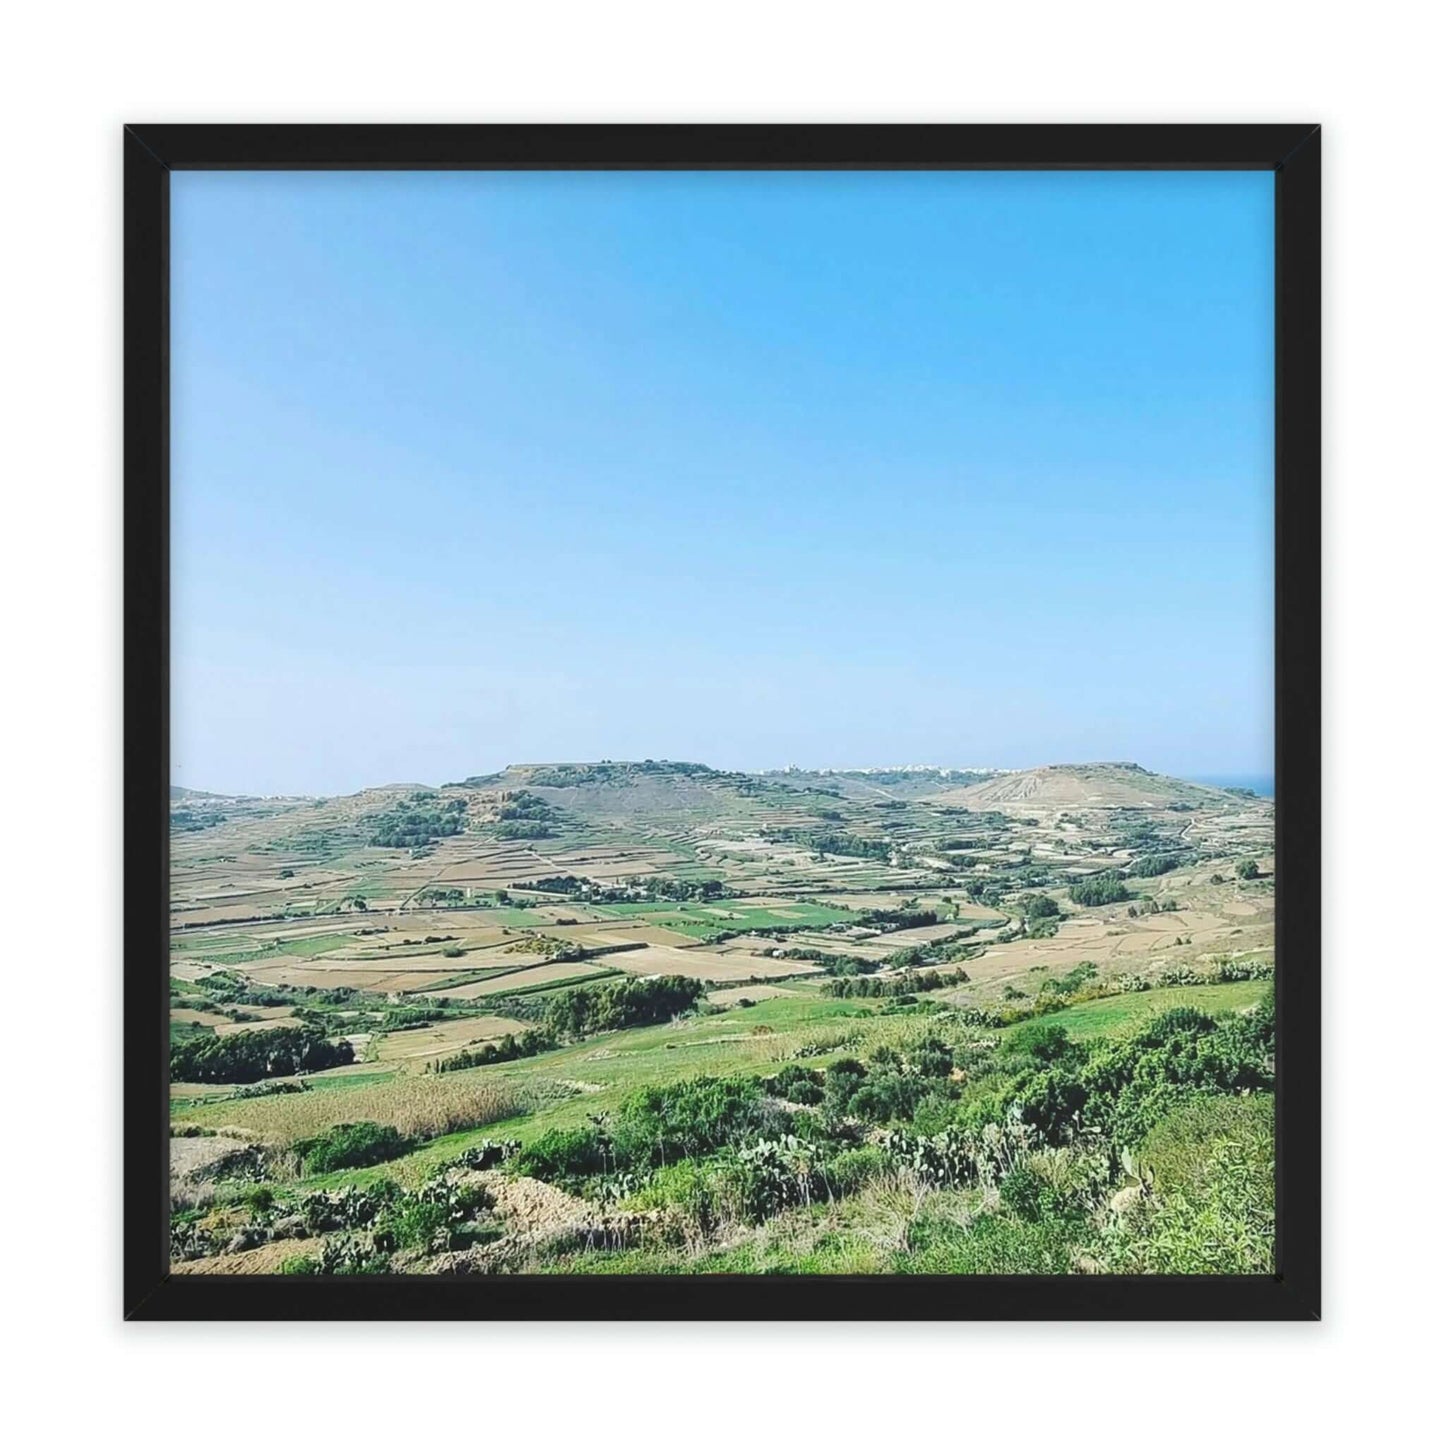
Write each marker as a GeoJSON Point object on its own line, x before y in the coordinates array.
{"type": "Point", "coordinates": [1261, 783]}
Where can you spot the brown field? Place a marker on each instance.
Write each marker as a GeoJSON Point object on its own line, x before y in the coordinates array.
{"type": "Point", "coordinates": [414, 1103]}
{"type": "Point", "coordinates": [380, 979]}
{"type": "Point", "coordinates": [413, 1045]}
{"type": "Point", "coordinates": [523, 978]}
{"type": "Point", "coordinates": [706, 964]}
{"type": "Point", "coordinates": [725, 997]}
{"type": "Point", "coordinates": [283, 1020]}
{"type": "Point", "coordinates": [609, 934]}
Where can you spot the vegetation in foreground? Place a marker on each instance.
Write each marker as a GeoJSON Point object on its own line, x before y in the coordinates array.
{"type": "Point", "coordinates": [951, 1149]}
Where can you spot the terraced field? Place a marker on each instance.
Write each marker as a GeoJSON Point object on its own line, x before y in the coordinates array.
{"type": "Point", "coordinates": [672, 928]}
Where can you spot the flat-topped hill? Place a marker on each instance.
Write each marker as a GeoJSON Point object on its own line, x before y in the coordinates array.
{"type": "Point", "coordinates": [1083, 785]}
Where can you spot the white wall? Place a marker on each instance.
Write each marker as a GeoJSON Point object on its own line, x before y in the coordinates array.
{"type": "Point", "coordinates": [75, 74]}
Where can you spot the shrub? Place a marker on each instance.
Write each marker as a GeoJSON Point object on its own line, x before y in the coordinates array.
{"type": "Point", "coordinates": [796, 1084]}
{"type": "Point", "coordinates": [850, 1169]}
{"type": "Point", "coordinates": [1041, 1041]}
{"type": "Point", "coordinates": [325, 1210]}
{"type": "Point", "coordinates": [1151, 865]}
{"type": "Point", "coordinates": [656, 1126]}
{"type": "Point", "coordinates": [1216, 1214]}
{"type": "Point", "coordinates": [1247, 869]}
{"type": "Point", "coordinates": [564, 1155]}
{"type": "Point", "coordinates": [1102, 888]}
{"type": "Point", "coordinates": [488, 1154]}
{"type": "Point", "coordinates": [352, 1146]}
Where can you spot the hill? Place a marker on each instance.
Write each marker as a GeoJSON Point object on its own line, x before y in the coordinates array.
{"type": "Point", "coordinates": [1082, 785]}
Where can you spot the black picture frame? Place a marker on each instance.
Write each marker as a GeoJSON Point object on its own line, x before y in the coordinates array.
{"type": "Point", "coordinates": [1292, 152]}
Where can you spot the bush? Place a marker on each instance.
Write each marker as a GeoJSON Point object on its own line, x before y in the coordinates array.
{"type": "Point", "coordinates": [1151, 865]}
{"type": "Point", "coordinates": [1041, 1041]}
{"type": "Point", "coordinates": [352, 1146]}
{"type": "Point", "coordinates": [1247, 869]}
{"type": "Point", "coordinates": [796, 1084]}
{"type": "Point", "coordinates": [563, 1156]}
{"type": "Point", "coordinates": [1212, 1206]}
{"type": "Point", "coordinates": [850, 1169]}
{"type": "Point", "coordinates": [1102, 888]}
{"type": "Point", "coordinates": [488, 1154]}
{"type": "Point", "coordinates": [657, 1126]}
{"type": "Point", "coordinates": [1124, 1087]}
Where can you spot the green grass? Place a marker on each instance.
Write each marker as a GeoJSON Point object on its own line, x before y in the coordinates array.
{"type": "Point", "coordinates": [1103, 1017]}
{"type": "Point", "coordinates": [223, 950]}
{"type": "Point", "coordinates": [551, 985]}
{"type": "Point", "coordinates": [583, 1079]}
{"type": "Point", "coordinates": [572, 1084]}
{"type": "Point", "coordinates": [195, 1107]}
{"type": "Point", "coordinates": [504, 916]}
{"type": "Point", "coordinates": [707, 920]}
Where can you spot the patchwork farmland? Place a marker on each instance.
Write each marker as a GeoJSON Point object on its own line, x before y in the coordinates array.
{"type": "Point", "coordinates": [657, 1016]}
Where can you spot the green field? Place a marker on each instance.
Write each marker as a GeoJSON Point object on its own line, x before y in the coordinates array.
{"type": "Point", "coordinates": [1104, 1017]}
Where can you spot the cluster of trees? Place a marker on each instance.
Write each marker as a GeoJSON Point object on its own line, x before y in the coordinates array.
{"type": "Point", "coordinates": [898, 986]}
{"type": "Point", "coordinates": [442, 897]}
{"type": "Point", "coordinates": [653, 1128]}
{"type": "Point", "coordinates": [195, 820]}
{"type": "Point", "coordinates": [525, 815]}
{"type": "Point", "coordinates": [653, 888]}
{"type": "Point", "coordinates": [417, 821]}
{"type": "Point", "coordinates": [1106, 887]}
{"type": "Point", "coordinates": [507, 830]}
{"type": "Point", "coordinates": [226, 987]}
{"type": "Point", "coordinates": [626, 1003]}
{"type": "Point", "coordinates": [892, 918]}
{"type": "Point", "coordinates": [577, 1012]}
{"type": "Point", "coordinates": [1148, 906]}
{"type": "Point", "coordinates": [505, 1050]}
{"type": "Point", "coordinates": [1041, 915]}
{"type": "Point", "coordinates": [576, 775]}
{"type": "Point", "coordinates": [843, 845]}
{"type": "Point", "coordinates": [1151, 865]}
{"type": "Point", "coordinates": [243, 1058]}
{"type": "Point", "coordinates": [841, 965]}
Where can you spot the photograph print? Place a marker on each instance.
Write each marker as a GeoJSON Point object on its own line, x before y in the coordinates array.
{"type": "Point", "coordinates": [721, 723]}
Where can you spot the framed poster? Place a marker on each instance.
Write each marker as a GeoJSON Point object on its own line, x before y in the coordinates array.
{"type": "Point", "coordinates": [722, 721]}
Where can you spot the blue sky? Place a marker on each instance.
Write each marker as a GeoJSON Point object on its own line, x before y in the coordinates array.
{"type": "Point", "coordinates": [841, 469]}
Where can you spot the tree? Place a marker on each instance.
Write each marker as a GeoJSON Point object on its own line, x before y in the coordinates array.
{"type": "Point", "coordinates": [1102, 888]}
{"type": "Point", "coordinates": [1248, 869]}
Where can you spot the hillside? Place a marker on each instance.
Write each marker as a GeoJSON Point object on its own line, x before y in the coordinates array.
{"type": "Point", "coordinates": [1082, 785]}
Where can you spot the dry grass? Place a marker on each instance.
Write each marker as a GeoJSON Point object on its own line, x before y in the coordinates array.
{"type": "Point", "coordinates": [419, 1105]}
